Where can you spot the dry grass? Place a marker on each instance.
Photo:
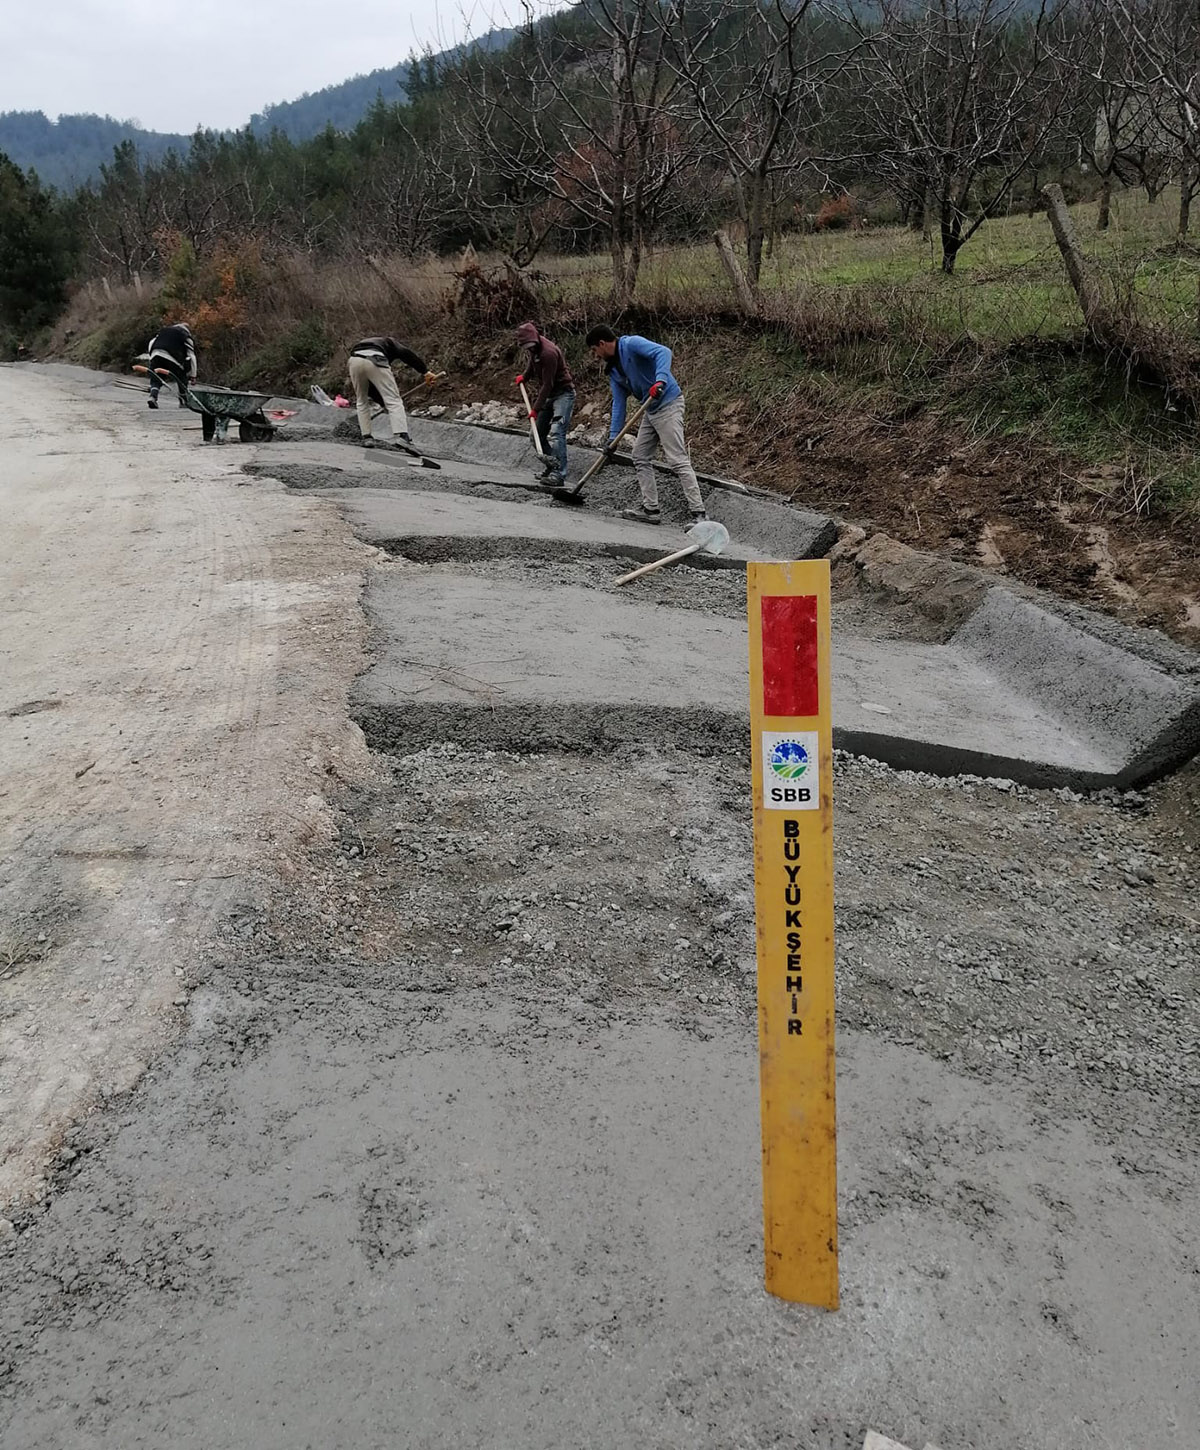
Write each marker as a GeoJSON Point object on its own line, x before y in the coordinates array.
{"type": "Point", "coordinates": [20, 952]}
{"type": "Point", "coordinates": [385, 294]}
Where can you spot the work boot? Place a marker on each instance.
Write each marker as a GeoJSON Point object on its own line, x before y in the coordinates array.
{"type": "Point", "coordinates": [367, 441]}
{"type": "Point", "coordinates": [646, 515]}
{"type": "Point", "coordinates": [696, 517]}
{"type": "Point", "coordinates": [151, 402]}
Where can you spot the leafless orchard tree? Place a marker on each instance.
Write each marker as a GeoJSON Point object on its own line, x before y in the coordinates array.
{"type": "Point", "coordinates": [582, 134]}
{"type": "Point", "coordinates": [756, 75]}
{"type": "Point", "coordinates": [121, 219]}
{"type": "Point", "coordinates": [411, 195]}
{"type": "Point", "coordinates": [1162, 42]}
{"type": "Point", "coordinates": [959, 97]}
{"type": "Point", "coordinates": [1119, 130]}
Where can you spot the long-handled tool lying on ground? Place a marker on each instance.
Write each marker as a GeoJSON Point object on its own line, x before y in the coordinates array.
{"type": "Point", "coordinates": [708, 537]}
{"type": "Point", "coordinates": [575, 494]}
{"type": "Point", "coordinates": [413, 452]}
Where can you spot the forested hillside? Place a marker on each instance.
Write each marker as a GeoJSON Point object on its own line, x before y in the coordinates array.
{"type": "Point", "coordinates": [70, 151]}
{"type": "Point", "coordinates": [344, 106]}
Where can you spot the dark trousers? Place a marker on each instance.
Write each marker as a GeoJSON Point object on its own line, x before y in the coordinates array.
{"type": "Point", "coordinates": [178, 375]}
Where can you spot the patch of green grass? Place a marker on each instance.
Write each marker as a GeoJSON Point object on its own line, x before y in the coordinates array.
{"type": "Point", "coordinates": [1072, 403]}
{"type": "Point", "coordinates": [290, 362]}
{"type": "Point", "coordinates": [120, 340]}
{"type": "Point", "coordinates": [1177, 477]}
{"type": "Point", "coordinates": [1008, 284]}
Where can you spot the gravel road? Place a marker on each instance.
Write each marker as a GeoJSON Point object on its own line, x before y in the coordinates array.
{"type": "Point", "coordinates": [175, 653]}
{"type": "Point", "coordinates": [458, 1145]}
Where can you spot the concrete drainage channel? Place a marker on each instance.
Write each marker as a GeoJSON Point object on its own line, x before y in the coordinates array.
{"type": "Point", "coordinates": [936, 667]}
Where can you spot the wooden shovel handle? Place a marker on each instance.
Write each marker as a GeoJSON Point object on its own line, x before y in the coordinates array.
{"type": "Point", "coordinates": [437, 377]}
{"type": "Point", "coordinates": [659, 563]}
{"type": "Point", "coordinates": [537, 442]}
{"type": "Point", "coordinates": [608, 452]}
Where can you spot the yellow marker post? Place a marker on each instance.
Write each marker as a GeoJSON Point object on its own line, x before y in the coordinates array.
{"type": "Point", "coordinates": [792, 751]}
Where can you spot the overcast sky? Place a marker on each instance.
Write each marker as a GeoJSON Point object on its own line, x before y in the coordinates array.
{"type": "Point", "coordinates": [176, 64]}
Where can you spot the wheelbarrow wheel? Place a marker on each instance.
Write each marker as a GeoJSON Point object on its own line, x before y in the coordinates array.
{"type": "Point", "coordinates": [250, 432]}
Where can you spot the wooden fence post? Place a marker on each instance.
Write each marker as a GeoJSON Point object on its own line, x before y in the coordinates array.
{"type": "Point", "coordinates": [746, 303]}
{"type": "Point", "coordinates": [1073, 259]}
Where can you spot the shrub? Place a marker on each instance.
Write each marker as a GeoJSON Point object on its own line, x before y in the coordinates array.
{"type": "Point", "coordinates": [835, 214]}
{"type": "Point", "coordinates": [491, 299]}
{"type": "Point", "coordinates": [213, 293]}
{"type": "Point", "coordinates": [291, 362]}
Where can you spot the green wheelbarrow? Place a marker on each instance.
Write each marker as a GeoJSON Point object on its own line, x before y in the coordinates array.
{"type": "Point", "coordinates": [219, 406]}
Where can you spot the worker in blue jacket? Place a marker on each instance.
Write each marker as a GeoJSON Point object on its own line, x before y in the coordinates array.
{"type": "Point", "coordinates": [641, 369]}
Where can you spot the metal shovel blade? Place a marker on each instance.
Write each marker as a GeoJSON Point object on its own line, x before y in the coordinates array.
{"type": "Point", "coordinates": [707, 537]}
{"type": "Point", "coordinates": [710, 535]}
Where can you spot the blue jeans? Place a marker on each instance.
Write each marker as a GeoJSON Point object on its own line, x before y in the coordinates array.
{"type": "Point", "coordinates": [553, 420]}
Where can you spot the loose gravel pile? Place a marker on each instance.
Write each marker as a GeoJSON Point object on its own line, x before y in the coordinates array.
{"type": "Point", "coordinates": [1003, 930]}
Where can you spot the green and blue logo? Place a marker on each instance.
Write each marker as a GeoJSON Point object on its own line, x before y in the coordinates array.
{"type": "Point", "coordinates": [789, 760]}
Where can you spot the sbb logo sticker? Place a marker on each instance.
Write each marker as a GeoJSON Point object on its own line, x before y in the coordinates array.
{"type": "Point", "coordinates": [791, 778]}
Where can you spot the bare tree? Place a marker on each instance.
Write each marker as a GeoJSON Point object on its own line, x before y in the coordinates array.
{"type": "Point", "coordinates": [1162, 38]}
{"type": "Point", "coordinates": [755, 74]}
{"type": "Point", "coordinates": [122, 218]}
{"type": "Point", "coordinates": [580, 125]}
{"type": "Point", "coordinates": [411, 193]}
{"type": "Point", "coordinates": [959, 96]}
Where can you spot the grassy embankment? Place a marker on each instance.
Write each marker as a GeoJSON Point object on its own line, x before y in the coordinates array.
{"type": "Point", "coordinates": [860, 329]}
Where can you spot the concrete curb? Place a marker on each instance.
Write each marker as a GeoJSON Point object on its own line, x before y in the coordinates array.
{"type": "Point", "coordinates": [1104, 705]}
{"type": "Point", "coordinates": [754, 517]}
{"type": "Point", "coordinates": [1133, 693]}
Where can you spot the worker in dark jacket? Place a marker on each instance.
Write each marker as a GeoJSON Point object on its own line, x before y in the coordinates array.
{"type": "Point", "coordinates": [173, 349]}
{"type": "Point", "coordinates": [554, 403]}
{"type": "Point", "coordinates": [371, 373]}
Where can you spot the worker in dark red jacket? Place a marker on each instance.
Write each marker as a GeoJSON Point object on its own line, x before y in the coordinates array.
{"type": "Point", "coordinates": [554, 403]}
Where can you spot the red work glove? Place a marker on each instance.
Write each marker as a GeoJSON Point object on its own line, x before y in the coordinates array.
{"type": "Point", "coordinates": [518, 380]}
{"type": "Point", "coordinates": [656, 388]}
{"type": "Point", "coordinates": [533, 415]}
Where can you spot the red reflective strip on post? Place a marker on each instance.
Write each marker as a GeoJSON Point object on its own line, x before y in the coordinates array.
{"type": "Point", "coordinates": [789, 654]}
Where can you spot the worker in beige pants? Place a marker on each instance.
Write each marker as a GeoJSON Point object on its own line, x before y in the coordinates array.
{"type": "Point", "coordinates": [664, 429]}
{"type": "Point", "coordinates": [371, 374]}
